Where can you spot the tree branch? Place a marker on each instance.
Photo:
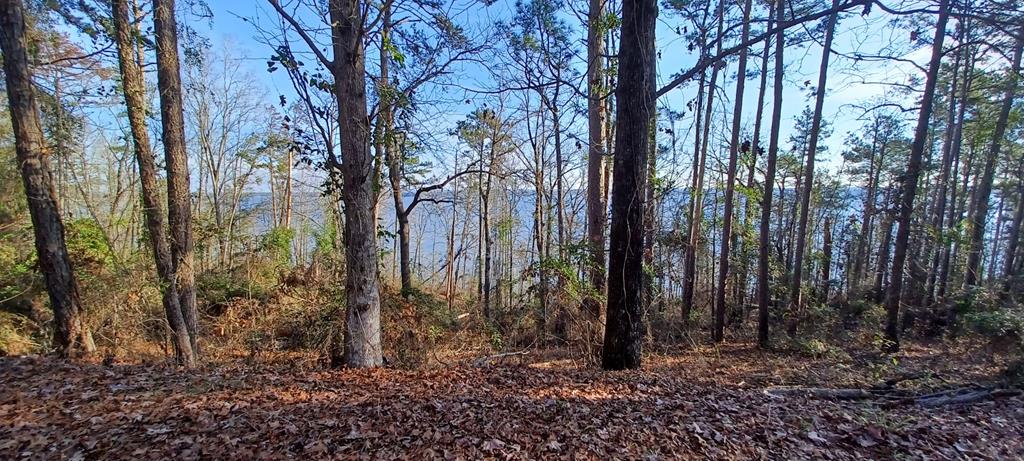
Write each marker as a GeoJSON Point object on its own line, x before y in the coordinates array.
{"type": "Point", "coordinates": [302, 33]}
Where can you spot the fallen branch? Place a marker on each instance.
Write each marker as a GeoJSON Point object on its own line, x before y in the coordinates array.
{"type": "Point", "coordinates": [833, 394]}
{"type": "Point", "coordinates": [966, 396]}
{"type": "Point", "coordinates": [893, 397]}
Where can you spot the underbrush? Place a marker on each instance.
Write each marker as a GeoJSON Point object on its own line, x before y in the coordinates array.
{"type": "Point", "coordinates": [261, 310]}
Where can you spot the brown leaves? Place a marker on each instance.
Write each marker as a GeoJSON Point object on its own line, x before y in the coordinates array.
{"type": "Point", "coordinates": [54, 410]}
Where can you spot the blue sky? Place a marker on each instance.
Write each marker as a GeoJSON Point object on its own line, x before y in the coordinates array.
{"type": "Point", "coordinates": [845, 86]}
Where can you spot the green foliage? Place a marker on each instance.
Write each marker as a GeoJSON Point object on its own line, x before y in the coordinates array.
{"type": "Point", "coordinates": [277, 244]}
{"type": "Point", "coordinates": [1002, 324]}
{"type": "Point", "coordinates": [217, 289]}
{"type": "Point", "coordinates": [87, 245]}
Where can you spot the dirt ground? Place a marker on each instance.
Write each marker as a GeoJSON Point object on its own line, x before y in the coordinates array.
{"type": "Point", "coordinates": [703, 403]}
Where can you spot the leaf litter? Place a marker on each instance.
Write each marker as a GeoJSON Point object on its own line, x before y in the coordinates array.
{"type": "Point", "coordinates": [691, 405]}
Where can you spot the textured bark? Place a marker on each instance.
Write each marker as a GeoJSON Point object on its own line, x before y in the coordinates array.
{"type": "Point", "coordinates": [763, 297]}
{"type": "Point", "coordinates": [796, 300]}
{"type": "Point", "coordinates": [485, 234]}
{"type": "Point", "coordinates": [984, 190]}
{"type": "Point", "coordinates": [755, 151]}
{"type": "Point", "coordinates": [179, 209]}
{"type": "Point", "coordinates": [718, 333]}
{"type": "Point", "coordinates": [362, 328]}
{"type": "Point", "coordinates": [69, 337]}
{"type": "Point", "coordinates": [133, 84]}
{"type": "Point", "coordinates": [386, 144]}
{"type": "Point", "coordinates": [597, 207]}
{"type": "Point", "coordinates": [635, 108]}
{"type": "Point", "coordinates": [909, 187]}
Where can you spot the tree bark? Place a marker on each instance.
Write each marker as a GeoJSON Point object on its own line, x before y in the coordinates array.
{"type": "Point", "coordinates": [133, 84]}
{"type": "Point", "coordinates": [31, 152]}
{"type": "Point", "coordinates": [635, 108]}
{"type": "Point", "coordinates": [909, 186]}
{"type": "Point", "coordinates": [718, 333]}
{"type": "Point", "coordinates": [937, 245]}
{"type": "Point", "coordinates": [796, 300]}
{"type": "Point", "coordinates": [179, 209]}
{"type": "Point", "coordinates": [763, 294]}
{"type": "Point", "coordinates": [597, 208]}
{"type": "Point", "coordinates": [755, 151]}
{"type": "Point", "coordinates": [362, 320]}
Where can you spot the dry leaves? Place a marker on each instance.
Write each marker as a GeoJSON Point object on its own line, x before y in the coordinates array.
{"type": "Point", "coordinates": [55, 410]}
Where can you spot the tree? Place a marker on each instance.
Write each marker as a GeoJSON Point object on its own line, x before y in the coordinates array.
{"type": "Point", "coordinates": [796, 292]}
{"type": "Point", "coordinates": [179, 206]}
{"type": "Point", "coordinates": [597, 207]}
{"type": "Point", "coordinates": [635, 108]}
{"type": "Point", "coordinates": [984, 189]}
{"type": "Point", "coordinates": [734, 148]}
{"type": "Point", "coordinates": [133, 87]}
{"type": "Point", "coordinates": [763, 273]}
{"type": "Point", "coordinates": [69, 335]}
{"type": "Point", "coordinates": [349, 26]}
{"type": "Point", "coordinates": [225, 110]}
{"type": "Point", "coordinates": [909, 185]}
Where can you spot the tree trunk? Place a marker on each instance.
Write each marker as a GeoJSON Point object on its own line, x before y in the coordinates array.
{"type": "Point", "coordinates": [69, 336]}
{"type": "Point", "coordinates": [984, 190]}
{"type": "Point", "coordinates": [763, 294]}
{"type": "Point", "coordinates": [635, 108]}
{"type": "Point", "coordinates": [938, 245]}
{"type": "Point", "coordinates": [700, 150]}
{"type": "Point", "coordinates": [909, 186]}
{"type": "Point", "coordinates": [133, 83]}
{"type": "Point", "coordinates": [694, 209]}
{"type": "Point", "coordinates": [597, 208]}
{"type": "Point", "coordinates": [755, 151]}
{"type": "Point", "coordinates": [718, 333]}
{"type": "Point", "coordinates": [884, 254]}
{"type": "Point", "coordinates": [796, 300]}
{"type": "Point", "coordinates": [863, 237]}
{"type": "Point", "coordinates": [362, 329]}
{"type": "Point", "coordinates": [179, 210]}
{"type": "Point", "coordinates": [994, 256]}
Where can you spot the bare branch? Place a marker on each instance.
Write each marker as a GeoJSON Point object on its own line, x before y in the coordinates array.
{"type": "Point", "coordinates": [302, 33]}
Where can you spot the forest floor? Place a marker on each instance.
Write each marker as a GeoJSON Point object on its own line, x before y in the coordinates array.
{"type": "Point", "coordinates": [703, 403]}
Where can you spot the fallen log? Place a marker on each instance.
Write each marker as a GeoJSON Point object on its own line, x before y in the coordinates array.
{"type": "Point", "coordinates": [892, 397]}
{"type": "Point", "coordinates": [832, 394]}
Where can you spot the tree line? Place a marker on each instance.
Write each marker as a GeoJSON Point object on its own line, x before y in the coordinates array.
{"type": "Point", "coordinates": [577, 188]}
